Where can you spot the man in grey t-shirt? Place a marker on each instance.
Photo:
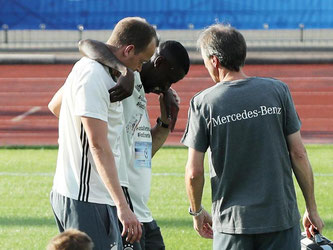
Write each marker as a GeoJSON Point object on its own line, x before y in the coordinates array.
{"type": "Point", "coordinates": [252, 130]}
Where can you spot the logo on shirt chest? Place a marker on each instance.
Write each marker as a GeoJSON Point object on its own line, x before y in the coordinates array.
{"type": "Point", "coordinates": [138, 87]}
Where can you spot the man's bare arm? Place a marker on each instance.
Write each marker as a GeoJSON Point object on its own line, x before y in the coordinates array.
{"type": "Point", "coordinates": [304, 175]}
{"type": "Point", "coordinates": [103, 157]}
{"type": "Point", "coordinates": [169, 106]}
{"type": "Point", "coordinates": [55, 103]}
{"type": "Point", "coordinates": [194, 181]}
{"type": "Point", "coordinates": [159, 136]}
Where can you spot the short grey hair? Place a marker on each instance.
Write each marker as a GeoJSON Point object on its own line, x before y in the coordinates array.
{"type": "Point", "coordinates": [226, 43]}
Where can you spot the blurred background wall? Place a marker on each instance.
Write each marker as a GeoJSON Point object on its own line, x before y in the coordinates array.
{"type": "Point", "coordinates": [59, 24]}
{"type": "Point", "coordinates": [166, 14]}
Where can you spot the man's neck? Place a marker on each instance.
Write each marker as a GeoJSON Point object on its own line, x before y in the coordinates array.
{"type": "Point", "coordinates": [228, 76]}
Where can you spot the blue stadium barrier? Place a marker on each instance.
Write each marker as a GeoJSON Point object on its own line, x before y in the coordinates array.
{"type": "Point", "coordinates": [166, 14]}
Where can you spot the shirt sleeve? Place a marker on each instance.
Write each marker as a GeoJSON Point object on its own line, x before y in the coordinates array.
{"type": "Point", "coordinates": [91, 97]}
{"type": "Point", "coordinates": [196, 132]}
{"type": "Point", "coordinates": [293, 122]}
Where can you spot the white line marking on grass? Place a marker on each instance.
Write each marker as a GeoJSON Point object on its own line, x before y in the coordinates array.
{"type": "Point", "coordinates": [29, 112]}
{"type": "Point", "coordinates": [319, 174]}
{"type": "Point", "coordinates": [206, 174]}
{"type": "Point", "coordinates": [155, 174]}
{"type": "Point", "coordinates": [51, 174]}
{"type": "Point", "coordinates": [168, 174]}
{"type": "Point", "coordinates": [25, 174]}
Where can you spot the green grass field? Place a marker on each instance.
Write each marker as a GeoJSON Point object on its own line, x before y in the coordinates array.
{"type": "Point", "coordinates": [26, 220]}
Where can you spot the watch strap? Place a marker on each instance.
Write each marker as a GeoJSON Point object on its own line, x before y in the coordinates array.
{"type": "Point", "coordinates": [195, 213]}
{"type": "Point", "coordinates": [161, 123]}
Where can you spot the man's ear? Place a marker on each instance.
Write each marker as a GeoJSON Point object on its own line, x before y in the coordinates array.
{"type": "Point", "coordinates": [158, 61]}
{"type": "Point", "coordinates": [129, 49]}
{"type": "Point", "coordinates": [215, 61]}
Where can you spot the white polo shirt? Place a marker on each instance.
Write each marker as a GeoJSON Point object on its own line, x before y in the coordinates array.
{"type": "Point", "coordinates": [86, 94]}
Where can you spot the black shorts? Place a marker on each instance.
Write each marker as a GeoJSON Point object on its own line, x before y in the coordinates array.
{"type": "Point", "coordinates": [151, 237]}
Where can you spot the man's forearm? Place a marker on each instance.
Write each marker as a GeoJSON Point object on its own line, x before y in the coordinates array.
{"type": "Point", "coordinates": [194, 178]}
{"type": "Point", "coordinates": [97, 132]}
{"type": "Point", "coordinates": [159, 136]}
{"type": "Point", "coordinates": [194, 189]}
{"type": "Point", "coordinates": [302, 169]}
{"type": "Point", "coordinates": [170, 99]}
{"type": "Point", "coordinates": [304, 175]}
{"type": "Point", "coordinates": [106, 168]}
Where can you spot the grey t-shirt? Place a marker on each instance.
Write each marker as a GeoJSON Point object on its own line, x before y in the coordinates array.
{"type": "Point", "coordinates": [245, 124]}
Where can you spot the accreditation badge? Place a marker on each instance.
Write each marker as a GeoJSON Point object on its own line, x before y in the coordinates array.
{"type": "Point", "coordinates": [143, 154]}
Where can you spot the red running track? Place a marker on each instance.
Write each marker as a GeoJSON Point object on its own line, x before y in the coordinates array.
{"type": "Point", "coordinates": [25, 91]}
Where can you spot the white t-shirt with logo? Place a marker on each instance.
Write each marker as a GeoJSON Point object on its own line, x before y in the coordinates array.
{"type": "Point", "coordinates": [139, 171]}
{"type": "Point", "coordinates": [137, 150]}
{"type": "Point", "coordinates": [134, 108]}
{"type": "Point", "coordinates": [85, 93]}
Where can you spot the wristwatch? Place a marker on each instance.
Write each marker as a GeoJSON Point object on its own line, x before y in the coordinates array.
{"type": "Point", "coordinates": [195, 213]}
{"type": "Point", "coordinates": [161, 123]}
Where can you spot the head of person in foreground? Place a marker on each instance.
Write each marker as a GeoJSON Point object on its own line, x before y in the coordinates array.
{"type": "Point", "coordinates": [222, 47]}
{"type": "Point", "coordinates": [71, 239]}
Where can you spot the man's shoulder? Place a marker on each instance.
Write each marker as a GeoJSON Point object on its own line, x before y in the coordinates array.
{"type": "Point", "coordinates": [270, 80]}
{"type": "Point", "coordinates": [86, 64]}
{"type": "Point", "coordinates": [85, 61]}
{"type": "Point", "coordinates": [87, 68]}
{"type": "Point", "coordinates": [204, 95]}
